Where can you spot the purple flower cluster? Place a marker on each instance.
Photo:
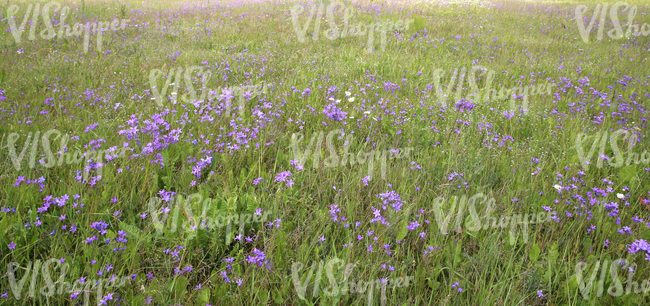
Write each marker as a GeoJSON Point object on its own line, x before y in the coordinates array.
{"type": "Point", "coordinates": [640, 245]}
{"type": "Point", "coordinates": [464, 105]}
{"type": "Point", "coordinates": [334, 210]}
{"type": "Point", "coordinates": [282, 177]}
{"type": "Point", "coordinates": [391, 198]}
{"type": "Point", "coordinates": [259, 258]}
{"type": "Point", "coordinates": [334, 113]}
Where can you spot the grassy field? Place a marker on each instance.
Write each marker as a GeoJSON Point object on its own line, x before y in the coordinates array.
{"type": "Point", "coordinates": [251, 135]}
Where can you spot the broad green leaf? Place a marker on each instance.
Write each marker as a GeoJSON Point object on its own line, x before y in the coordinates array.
{"type": "Point", "coordinates": [277, 296]}
{"type": "Point", "coordinates": [534, 253]}
{"type": "Point", "coordinates": [627, 173]}
{"type": "Point", "coordinates": [105, 196]}
{"type": "Point", "coordinates": [403, 230]}
{"type": "Point", "coordinates": [457, 253]}
{"type": "Point", "coordinates": [553, 253]}
{"type": "Point", "coordinates": [134, 232]}
{"type": "Point", "coordinates": [203, 297]}
{"type": "Point", "coordinates": [180, 287]}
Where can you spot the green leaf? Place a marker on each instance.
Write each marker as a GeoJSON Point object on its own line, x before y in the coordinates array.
{"type": "Point", "coordinates": [419, 23]}
{"type": "Point", "coordinates": [277, 296]}
{"type": "Point", "coordinates": [264, 296]}
{"type": "Point", "coordinates": [627, 173]}
{"type": "Point", "coordinates": [180, 286]}
{"type": "Point", "coordinates": [403, 230]}
{"type": "Point", "coordinates": [242, 176]}
{"type": "Point", "coordinates": [134, 232]}
{"type": "Point", "coordinates": [457, 253]}
{"type": "Point", "coordinates": [553, 254]}
{"type": "Point", "coordinates": [203, 297]}
{"type": "Point", "coordinates": [573, 283]}
{"type": "Point", "coordinates": [586, 246]}
{"type": "Point", "coordinates": [4, 224]}
{"type": "Point", "coordinates": [105, 195]}
{"type": "Point", "coordinates": [534, 253]}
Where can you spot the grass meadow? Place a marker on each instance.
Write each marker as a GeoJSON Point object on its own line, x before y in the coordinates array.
{"type": "Point", "coordinates": [279, 171]}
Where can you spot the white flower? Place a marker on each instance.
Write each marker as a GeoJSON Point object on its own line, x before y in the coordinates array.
{"type": "Point", "coordinates": [351, 99]}
{"type": "Point", "coordinates": [366, 112]}
{"type": "Point", "coordinates": [331, 99]}
{"type": "Point", "coordinates": [620, 196]}
{"type": "Point", "coordinates": [20, 51]}
{"type": "Point", "coordinates": [347, 93]}
{"type": "Point", "coordinates": [337, 101]}
{"type": "Point", "coordinates": [558, 187]}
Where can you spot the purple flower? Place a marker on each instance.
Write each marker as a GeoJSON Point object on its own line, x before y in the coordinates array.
{"type": "Point", "coordinates": [334, 113]}
{"type": "Point", "coordinates": [12, 245]}
{"type": "Point", "coordinates": [282, 176]}
{"type": "Point", "coordinates": [258, 258]}
{"type": "Point", "coordinates": [109, 296]}
{"type": "Point", "coordinates": [413, 225]}
{"type": "Point", "coordinates": [334, 209]}
{"type": "Point", "coordinates": [625, 230]}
